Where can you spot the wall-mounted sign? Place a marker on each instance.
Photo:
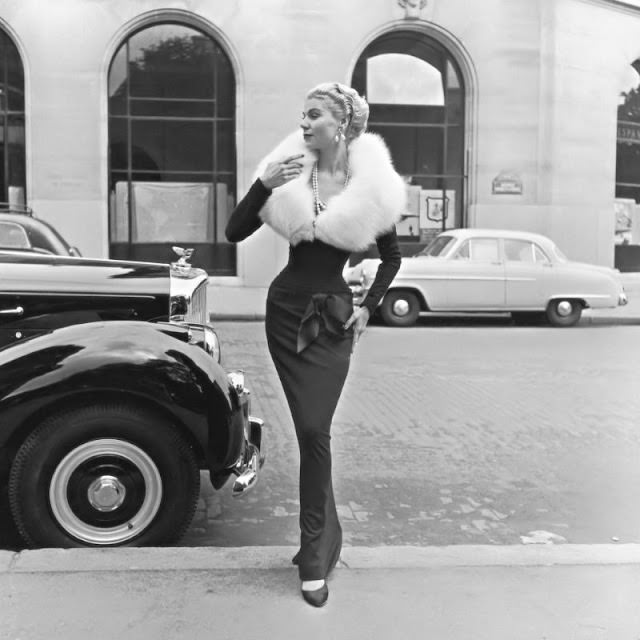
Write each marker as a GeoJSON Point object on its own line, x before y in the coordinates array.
{"type": "Point", "coordinates": [628, 132]}
{"type": "Point", "coordinates": [507, 182]}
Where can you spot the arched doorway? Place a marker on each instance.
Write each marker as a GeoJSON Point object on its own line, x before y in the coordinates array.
{"type": "Point", "coordinates": [172, 156]}
{"type": "Point", "coordinates": [12, 126]}
{"type": "Point", "coordinates": [416, 95]}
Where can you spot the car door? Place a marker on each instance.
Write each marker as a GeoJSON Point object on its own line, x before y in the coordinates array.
{"type": "Point", "coordinates": [475, 278]}
{"type": "Point", "coordinates": [526, 269]}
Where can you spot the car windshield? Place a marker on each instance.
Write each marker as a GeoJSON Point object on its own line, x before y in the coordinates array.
{"type": "Point", "coordinates": [437, 246]}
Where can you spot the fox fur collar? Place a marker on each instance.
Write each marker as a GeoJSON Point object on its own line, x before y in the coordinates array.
{"type": "Point", "coordinates": [370, 204]}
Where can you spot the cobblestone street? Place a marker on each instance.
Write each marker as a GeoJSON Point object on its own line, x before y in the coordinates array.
{"type": "Point", "coordinates": [455, 433]}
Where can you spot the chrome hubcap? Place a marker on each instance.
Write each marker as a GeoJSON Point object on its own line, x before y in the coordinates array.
{"type": "Point", "coordinates": [106, 493]}
{"type": "Point", "coordinates": [400, 307]}
{"type": "Point", "coordinates": [564, 308]}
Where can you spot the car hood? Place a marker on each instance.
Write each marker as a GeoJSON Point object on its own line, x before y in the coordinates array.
{"type": "Point", "coordinates": [27, 273]}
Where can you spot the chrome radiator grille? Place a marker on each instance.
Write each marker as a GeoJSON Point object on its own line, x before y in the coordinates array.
{"type": "Point", "coordinates": [197, 305]}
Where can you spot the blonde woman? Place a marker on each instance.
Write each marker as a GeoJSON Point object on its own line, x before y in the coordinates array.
{"type": "Point", "coordinates": [329, 189]}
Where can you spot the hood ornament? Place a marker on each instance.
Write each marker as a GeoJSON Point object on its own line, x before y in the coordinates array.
{"type": "Point", "coordinates": [182, 265]}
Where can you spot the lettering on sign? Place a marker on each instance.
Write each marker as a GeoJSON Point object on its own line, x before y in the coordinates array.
{"type": "Point", "coordinates": [629, 132]}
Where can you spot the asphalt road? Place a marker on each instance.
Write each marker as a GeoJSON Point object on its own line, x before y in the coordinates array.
{"type": "Point", "coordinates": [452, 432]}
{"type": "Point", "coordinates": [467, 432]}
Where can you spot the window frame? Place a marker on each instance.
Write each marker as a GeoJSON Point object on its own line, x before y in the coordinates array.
{"type": "Point", "coordinates": [217, 256]}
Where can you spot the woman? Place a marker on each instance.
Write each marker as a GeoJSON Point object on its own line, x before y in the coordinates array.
{"type": "Point", "coordinates": [330, 191]}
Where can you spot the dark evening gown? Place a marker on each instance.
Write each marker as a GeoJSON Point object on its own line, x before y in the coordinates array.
{"type": "Point", "coordinates": [307, 305]}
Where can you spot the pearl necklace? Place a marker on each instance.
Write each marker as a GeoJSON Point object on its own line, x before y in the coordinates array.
{"type": "Point", "coordinates": [319, 205]}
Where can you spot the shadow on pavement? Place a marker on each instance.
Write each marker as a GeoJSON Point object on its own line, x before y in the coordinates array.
{"type": "Point", "coordinates": [10, 539]}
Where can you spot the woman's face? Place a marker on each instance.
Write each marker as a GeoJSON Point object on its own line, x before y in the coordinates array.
{"type": "Point", "coordinates": [319, 125]}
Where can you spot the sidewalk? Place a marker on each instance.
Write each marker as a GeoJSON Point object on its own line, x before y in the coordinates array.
{"type": "Point", "coordinates": [536, 592]}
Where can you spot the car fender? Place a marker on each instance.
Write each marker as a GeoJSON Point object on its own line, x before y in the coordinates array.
{"type": "Point", "coordinates": [596, 287]}
{"type": "Point", "coordinates": [127, 361]}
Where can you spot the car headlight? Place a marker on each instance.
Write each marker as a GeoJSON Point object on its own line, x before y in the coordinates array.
{"type": "Point", "coordinates": [206, 338]}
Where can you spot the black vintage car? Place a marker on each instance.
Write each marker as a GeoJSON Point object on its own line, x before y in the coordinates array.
{"type": "Point", "coordinates": [112, 399]}
{"type": "Point", "coordinates": [21, 231]}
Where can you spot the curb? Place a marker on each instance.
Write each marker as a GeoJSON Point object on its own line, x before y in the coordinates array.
{"type": "Point", "coordinates": [278, 557]}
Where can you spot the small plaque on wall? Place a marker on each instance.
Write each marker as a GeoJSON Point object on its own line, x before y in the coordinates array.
{"type": "Point", "coordinates": [507, 182]}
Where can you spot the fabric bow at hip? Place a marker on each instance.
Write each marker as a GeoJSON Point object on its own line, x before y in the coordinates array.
{"type": "Point", "coordinates": [327, 308]}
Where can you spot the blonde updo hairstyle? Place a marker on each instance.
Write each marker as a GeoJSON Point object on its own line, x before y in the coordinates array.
{"type": "Point", "coordinates": [344, 103]}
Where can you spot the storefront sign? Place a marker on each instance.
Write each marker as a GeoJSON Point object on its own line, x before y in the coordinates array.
{"type": "Point", "coordinates": [507, 182]}
{"type": "Point", "coordinates": [629, 132]}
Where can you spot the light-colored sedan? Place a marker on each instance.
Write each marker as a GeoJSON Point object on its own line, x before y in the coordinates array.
{"type": "Point", "coordinates": [490, 270]}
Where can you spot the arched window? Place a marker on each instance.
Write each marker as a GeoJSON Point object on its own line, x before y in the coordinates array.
{"type": "Point", "coordinates": [12, 147]}
{"type": "Point", "coordinates": [172, 158]}
{"type": "Point", "coordinates": [628, 162]}
{"type": "Point", "coordinates": [417, 97]}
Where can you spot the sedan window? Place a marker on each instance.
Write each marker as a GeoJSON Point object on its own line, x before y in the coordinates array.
{"type": "Point", "coordinates": [479, 250]}
{"type": "Point", "coordinates": [13, 236]}
{"type": "Point", "coordinates": [437, 246]}
{"type": "Point", "coordinates": [523, 251]}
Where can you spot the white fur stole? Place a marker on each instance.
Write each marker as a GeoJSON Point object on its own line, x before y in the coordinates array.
{"type": "Point", "coordinates": [370, 204]}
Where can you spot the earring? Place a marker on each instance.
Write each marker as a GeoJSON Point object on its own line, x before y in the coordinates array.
{"type": "Point", "coordinates": [339, 135]}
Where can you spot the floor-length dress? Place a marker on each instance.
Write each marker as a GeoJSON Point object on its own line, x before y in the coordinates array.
{"type": "Point", "coordinates": [307, 305]}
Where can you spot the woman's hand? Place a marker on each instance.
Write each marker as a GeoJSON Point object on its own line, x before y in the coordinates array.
{"type": "Point", "coordinates": [278, 173]}
{"type": "Point", "coordinates": [359, 319]}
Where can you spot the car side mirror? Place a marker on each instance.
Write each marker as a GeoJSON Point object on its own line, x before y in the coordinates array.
{"type": "Point", "coordinates": [74, 251]}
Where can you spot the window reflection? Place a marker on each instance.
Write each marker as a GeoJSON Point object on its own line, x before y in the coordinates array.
{"type": "Point", "coordinates": [12, 140]}
{"type": "Point", "coordinates": [416, 95]}
{"type": "Point", "coordinates": [628, 162]}
{"type": "Point", "coordinates": [172, 147]}
{"type": "Point", "coordinates": [398, 78]}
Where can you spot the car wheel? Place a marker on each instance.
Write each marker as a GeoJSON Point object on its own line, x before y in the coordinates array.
{"type": "Point", "coordinates": [105, 475]}
{"type": "Point", "coordinates": [400, 308]}
{"type": "Point", "coordinates": [564, 313]}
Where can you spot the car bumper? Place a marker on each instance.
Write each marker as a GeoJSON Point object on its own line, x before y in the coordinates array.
{"type": "Point", "coordinates": [248, 466]}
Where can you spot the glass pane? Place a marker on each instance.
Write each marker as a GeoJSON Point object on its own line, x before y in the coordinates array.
{"type": "Point", "coordinates": [414, 150]}
{"type": "Point", "coordinates": [16, 152]}
{"type": "Point", "coordinates": [118, 147]}
{"type": "Point", "coordinates": [518, 251]}
{"type": "Point", "coordinates": [628, 162]}
{"type": "Point", "coordinates": [172, 108]}
{"type": "Point", "coordinates": [225, 147]}
{"type": "Point", "coordinates": [406, 114]}
{"type": "Point", "coordinates": [118, 83]}
{"type": "Point", "coordinates": [397, 78]}
{"type": "Point", "coordinates": [224, 187]}
{"type": "Point", "coordinates": [455, 151]}
{"type": "Point", "coordinates": [225, 87]}
{"type": "Point", "coordinates": [454, 96]}
{"type": "Point", "coordinates": [176, 146]}
{"type": "Point", "coordinates": [484, 250]}
{"type": "Point", "coordinates": [171, 61]}
{"type": "Point", "coordinates": [15, 79]}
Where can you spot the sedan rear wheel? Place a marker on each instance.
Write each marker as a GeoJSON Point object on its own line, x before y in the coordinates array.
{"type": "Point", "coordinates": [563, 312]}
{"type": "Point", "coordinates": [107, 475]}
{"type": "Point", "coordinates": [400, 308]}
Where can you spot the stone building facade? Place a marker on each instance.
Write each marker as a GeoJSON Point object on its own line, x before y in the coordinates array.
{"type": "Point", "coordinates": [135, 125]}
